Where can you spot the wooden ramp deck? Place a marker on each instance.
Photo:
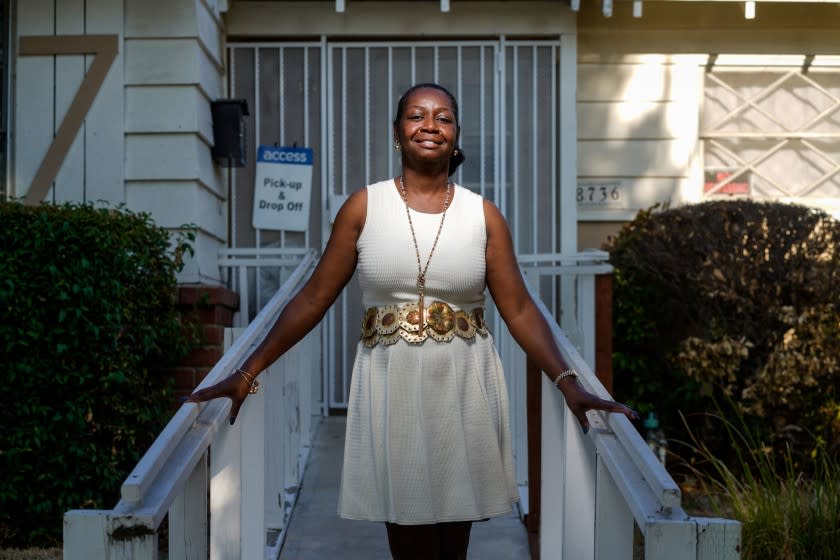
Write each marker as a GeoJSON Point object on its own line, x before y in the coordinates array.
{"type": "Point", "coordinates": [316, 532]}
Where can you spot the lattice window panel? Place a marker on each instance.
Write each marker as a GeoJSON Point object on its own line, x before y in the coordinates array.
{"type": "Point", "coordinates": [773, 132]}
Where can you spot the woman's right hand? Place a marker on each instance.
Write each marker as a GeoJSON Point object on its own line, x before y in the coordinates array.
{"type": "Point", "coordinates": [235, 387]}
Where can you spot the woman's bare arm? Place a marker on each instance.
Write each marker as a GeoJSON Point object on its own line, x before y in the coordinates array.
{"type": "Point", "coordinates": [305, 309]}
{"type": "Point", "coordinates": [527, 324]}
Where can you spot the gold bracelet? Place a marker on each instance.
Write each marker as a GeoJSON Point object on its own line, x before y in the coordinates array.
{"type": "Point", "coordinates": [254, 385]}
{"type": "Point", "coordinates": [568, 373]}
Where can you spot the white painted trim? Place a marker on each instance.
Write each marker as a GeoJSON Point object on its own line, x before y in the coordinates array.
{"type": "Point", "coordinates": [383, 19]}
{"type": "Point", "coordinates": [567, 156]}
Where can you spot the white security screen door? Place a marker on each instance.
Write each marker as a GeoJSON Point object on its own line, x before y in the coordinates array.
{"type": "Point", "coordinates": [340, 97]}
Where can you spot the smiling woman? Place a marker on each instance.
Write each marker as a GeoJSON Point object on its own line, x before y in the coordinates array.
{"type": "Point", "coordinates": [428, 444]}
{"type": "Point", "coordinates": [445, 113]}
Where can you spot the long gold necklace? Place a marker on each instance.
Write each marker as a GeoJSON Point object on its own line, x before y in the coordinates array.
{"type": "Point", "coordinates": [421, 270]}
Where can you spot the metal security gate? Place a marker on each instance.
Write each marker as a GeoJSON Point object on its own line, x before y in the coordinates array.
{"type": "Point", "coordinates": [339, 98]}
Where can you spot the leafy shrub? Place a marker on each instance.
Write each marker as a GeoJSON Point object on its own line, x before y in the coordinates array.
{"type": "Point", "coordinates": [87, 321]}
{"type": "Point", "coordinates": [735, 299]}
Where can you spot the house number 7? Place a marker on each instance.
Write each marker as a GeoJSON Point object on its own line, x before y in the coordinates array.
{"type": "Point", "coordinates": [104, 48]}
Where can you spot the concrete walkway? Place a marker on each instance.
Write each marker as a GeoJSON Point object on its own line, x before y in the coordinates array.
{"type": "Point", "coordinates": [317, 533]}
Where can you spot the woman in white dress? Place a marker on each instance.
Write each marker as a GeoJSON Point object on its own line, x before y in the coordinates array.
{"type": "Point", "coordinates": [428, 445]}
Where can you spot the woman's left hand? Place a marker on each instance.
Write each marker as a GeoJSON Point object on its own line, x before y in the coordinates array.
{"type": "Point", "coordinates": [579, 400]}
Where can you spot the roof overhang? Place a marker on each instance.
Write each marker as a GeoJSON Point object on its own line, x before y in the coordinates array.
{"type": "Point", "coordinates": [638, 5]}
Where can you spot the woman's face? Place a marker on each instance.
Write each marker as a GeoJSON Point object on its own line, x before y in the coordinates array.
{"type": "Point", "coordinates": [426, 130]}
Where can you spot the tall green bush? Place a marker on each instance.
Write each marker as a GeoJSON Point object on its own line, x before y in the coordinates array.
{"type": "Point", "coordinates": [734, 299]}
{"type": "Point", "coordinates": [87, 321]}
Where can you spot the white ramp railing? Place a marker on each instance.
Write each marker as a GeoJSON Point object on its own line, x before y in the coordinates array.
{"type": "Point", "coordinates": [592, 488]}
{"type": "Point", "coordinates": [256, 274]}
{"type": "Point", "coordinates": [237, 483]}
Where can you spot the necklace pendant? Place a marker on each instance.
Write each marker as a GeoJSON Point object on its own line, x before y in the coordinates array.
{"type": "Point", "coordinates": [422, 323]}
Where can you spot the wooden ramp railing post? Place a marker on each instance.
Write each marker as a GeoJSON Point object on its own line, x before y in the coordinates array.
{"type": "Point", "coordinates": [534, 415]}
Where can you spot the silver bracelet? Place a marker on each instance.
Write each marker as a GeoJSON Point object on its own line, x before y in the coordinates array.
{"type": "Point", "coordinates": [253, 384]}
{"type": "Point", "coordinates": [568, 373]}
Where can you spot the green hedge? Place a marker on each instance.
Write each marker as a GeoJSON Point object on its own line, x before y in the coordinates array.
{"type": "Point", "coordinates": [735, 301]}
{"type": "Point", "coordinates": [87, 302]}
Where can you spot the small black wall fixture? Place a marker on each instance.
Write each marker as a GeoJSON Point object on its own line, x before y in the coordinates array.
{"type": "Point", "coordinates": [229, 147]}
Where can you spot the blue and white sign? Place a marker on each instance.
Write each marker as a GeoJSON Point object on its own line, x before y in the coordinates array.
{"type": "Point", "coordinates": [283, 188]}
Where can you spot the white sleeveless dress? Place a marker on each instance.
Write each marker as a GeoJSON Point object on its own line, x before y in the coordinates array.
{"type": "Point", "coordinates": [428, 436]}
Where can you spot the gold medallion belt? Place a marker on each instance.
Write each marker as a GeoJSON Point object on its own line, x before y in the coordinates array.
{"type": "Point", "coordinates": [388, 323]}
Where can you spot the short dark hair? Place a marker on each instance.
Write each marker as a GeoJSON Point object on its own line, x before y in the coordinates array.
{"type": "Point", "coordinates": [458, 157]}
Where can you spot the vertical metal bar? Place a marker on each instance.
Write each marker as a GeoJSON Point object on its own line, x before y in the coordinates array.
{"type": "Point", "coordinates": [281, 85]}
{"type": "Point", "coordinates": [514, 217]}
{"type": "Point", "coordinates": [306, 235]}
{"type": "Point", "coordinates": [501, 127]}
{"type": "Point", "coordinates": [499, 164]}
{"type": "Point", "coordinates": [367, 115]}
{"type": "Point", "coordinates": [482, 117]}
{"type": "Point", "coordinates": [344, 144]}
{"type": "Point", "coordinates": [244, 308]}
{"type": "Point", "coordinates": [554, 184]}
{"type": "Point", "coordinates": [535, 124]}
{"type": "Point", "coordinates": [281, 96]}
{"type": "Point", "coordinates": [343, 120]}
{"type": "Point", "coordinates": [327, 171]}
{"type": "Point", "coordinates": [458, 72]}
{"type": "Point", "coordinates": [306, 96]}
{"type": "Point", "coordinates": [413, 66]}
{"type": "Point", "coordinates": [390, 106]}
{"type": "Point", "coordinates": [234, 192]}
{"type": "Point", "coordinates": [435, 62]}
{"type": "Point", "coordinates": [257, 139]}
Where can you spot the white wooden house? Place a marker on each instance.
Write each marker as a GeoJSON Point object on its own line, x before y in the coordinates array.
{"type": "Point", "coordinates": [675, 100]}
{"type": "Point", "coordinates": [575, 114]}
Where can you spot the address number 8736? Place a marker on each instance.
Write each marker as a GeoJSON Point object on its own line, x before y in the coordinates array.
{"type": "Point", "coordinates": [599, 194]}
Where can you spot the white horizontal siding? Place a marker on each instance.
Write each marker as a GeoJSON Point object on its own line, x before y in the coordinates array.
{"type": "Point", "coordinates": [172, 156]}
{"type": "Point", "coordinates": [203, 267]}
{"type": "Point", "coordinates": [643, 120]}
{"type": "Point", "coordinates": [651, 79]}
{"type": "Point", "coordinates": [183, 19]}
{"type": "Point", "coordinates": [156, 19]}
{"type": "Point", "coordinates": [168, 109]}
{"type": "Point", "coordinates": [637, 128]}
{"type": "Point", "coordinates": [174, 68]}
{"type": "Point", "coordinates": [172, 62]}
{"type": "Point", "coordinates": [210, 32]}
{"type": "Point", "coordinates": [175, 203]}
{"type": "Point", "coordinates": [634, 158]}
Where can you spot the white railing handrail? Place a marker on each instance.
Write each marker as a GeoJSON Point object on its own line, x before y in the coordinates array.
{"type": "Point", "coordinates": [189, 433]}
{"type": "Point", "coordinates": [625, 453]}
{"type": "Point", "coordinates": [594, 486]}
